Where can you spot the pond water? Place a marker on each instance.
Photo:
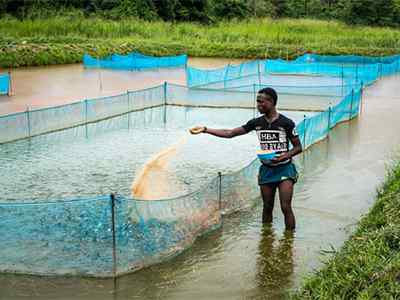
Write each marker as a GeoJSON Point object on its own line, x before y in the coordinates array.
{"type": "Point", "coordinates": [243, 259]}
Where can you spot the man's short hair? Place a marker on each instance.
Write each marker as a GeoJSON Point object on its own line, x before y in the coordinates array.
{"type": "Point", "coordinates": [271, 92]}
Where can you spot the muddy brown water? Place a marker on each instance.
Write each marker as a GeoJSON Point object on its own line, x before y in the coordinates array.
{"type": "Point", "coordinates": [243, 259]}
{"type": "Point", "coordinates": [37, 87]}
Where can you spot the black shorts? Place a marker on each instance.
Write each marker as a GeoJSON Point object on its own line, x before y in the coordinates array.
{"type": "Point", "coordinates": [275, 175]}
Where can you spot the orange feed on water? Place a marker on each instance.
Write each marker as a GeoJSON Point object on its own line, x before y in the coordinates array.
{"type": "Point", "coordinates": [155, 181]}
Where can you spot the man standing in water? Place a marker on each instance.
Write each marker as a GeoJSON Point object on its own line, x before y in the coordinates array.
{"type": "Point", "coordinates": [274, 132]}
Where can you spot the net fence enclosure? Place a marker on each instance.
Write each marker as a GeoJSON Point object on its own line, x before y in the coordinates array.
{"type": "Point", "coordinates": [111, 235]}
{"type": "Point", "coordinates": [134, 61]}
{"type": "Point", "coordinates": [348, 59]}
{"type": "Point", "coordinates": [31, 123]}
{"type": "Point", "coordinates": [351, 70]}
{"type": "Point", "coordinates": [4, 83]}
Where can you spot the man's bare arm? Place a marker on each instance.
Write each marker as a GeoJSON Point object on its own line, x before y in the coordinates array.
{"type": "Point", "coordinates": [223, 133]}
{"type": "Point", "coordinates": [226, 133]}
{"type": "Point", "coordinates": [297, 147]}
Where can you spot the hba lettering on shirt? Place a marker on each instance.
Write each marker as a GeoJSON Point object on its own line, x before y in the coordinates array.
{"type": "Point", "coordinates": [273, 140]}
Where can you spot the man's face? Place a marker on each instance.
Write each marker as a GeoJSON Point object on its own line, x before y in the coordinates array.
{"type": "Point", "coordinates": [265, 103]}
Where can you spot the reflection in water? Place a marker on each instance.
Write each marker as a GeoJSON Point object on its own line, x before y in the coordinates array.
{"type": "Point", "coordinates": [274, 262]}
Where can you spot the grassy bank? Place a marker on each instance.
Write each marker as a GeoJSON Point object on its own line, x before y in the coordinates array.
{"type": "Point", "coordinates": [368, 266]}
{"type": "Point", "coordinates": [63, 40]}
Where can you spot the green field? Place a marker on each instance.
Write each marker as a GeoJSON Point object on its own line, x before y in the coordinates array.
{"type": "Point", "coordinates": [368, 265]}
{"type": "Point", "coordinates": [62, 40]}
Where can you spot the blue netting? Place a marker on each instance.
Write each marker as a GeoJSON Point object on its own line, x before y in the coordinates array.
{"type": "Point", "coordinates": [351, 69]}
{"type": "Point", "coordinates": [69, 237]}
{"type": "Point", "coordinates": [40, 121]}
{"type": "Point", "coordinates": [134, 61]}
{"type": "Point", "coordinates": [316, 128]}
{"type": "Point", "coordinates": [318, 90]}
{"type": "Point", "coordinates": [4, 83]}
{"type": "Point", "coordinates": [240, 189]}
{"type": "Point", "coordinates": [79, 236]}
{"type": "Point", "coordinates": [152, 231]}
{"type": "Point", "coordinates": [350, 73]}
{"type": "Point", "coordinates": [384, 65]}
{"type": "Point", "coordinates": [347, 59]}
{"type": "Point", "coordinates": [198, 77]}
{"type": "Point", "coordinates": [290, 97]}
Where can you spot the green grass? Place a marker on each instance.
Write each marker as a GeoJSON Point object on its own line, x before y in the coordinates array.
{"type": "Point", "coordinates": [368, 265]}
{"type": "Point", "coordinates": [65, 39]}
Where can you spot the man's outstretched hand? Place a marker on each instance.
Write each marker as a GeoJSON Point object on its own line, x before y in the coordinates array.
{"type": "Point", "coordinates": [197, 129]}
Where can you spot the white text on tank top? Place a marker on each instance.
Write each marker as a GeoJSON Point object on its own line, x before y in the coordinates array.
{"type": "Point", "coordinates": [271, 139]}
{"type": "Point", "coordinates": [275, 140]}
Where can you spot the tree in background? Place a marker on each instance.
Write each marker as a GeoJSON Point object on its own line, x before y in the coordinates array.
{"type": "Point", "coordinates": [296, 9]}
{"type": "Point", "coordinates": [230, 9]}
{"type": "Point", "coordinates": [144, 9]}
{"type": "Point", "coordinates": [193, 10]}
{"type": "Point", "coordinates": [262, 8]}
{"type": "Point", "coordinates": [280, 8]}
{"type": "Point", "coordinates": [396, 13]}
{"type": "Point", "coordinates": [371, 12]}
{"type": "Point", "coordinates": [365, 12]}
{"type": "Point", "coordinates": [166, 9]}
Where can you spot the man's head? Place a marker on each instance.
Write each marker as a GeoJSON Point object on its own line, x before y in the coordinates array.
{"type": "Point", "coordinates": [266, 100]}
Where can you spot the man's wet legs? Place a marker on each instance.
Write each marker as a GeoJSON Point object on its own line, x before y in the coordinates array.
{"type": "Point", "coordinates": [285, 197]}
{"type": "Point", "coordinates": [268, 195]}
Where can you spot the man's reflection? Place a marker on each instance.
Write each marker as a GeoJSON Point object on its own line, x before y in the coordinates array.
{"type": "Point", "coordinates": [275, 261]}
